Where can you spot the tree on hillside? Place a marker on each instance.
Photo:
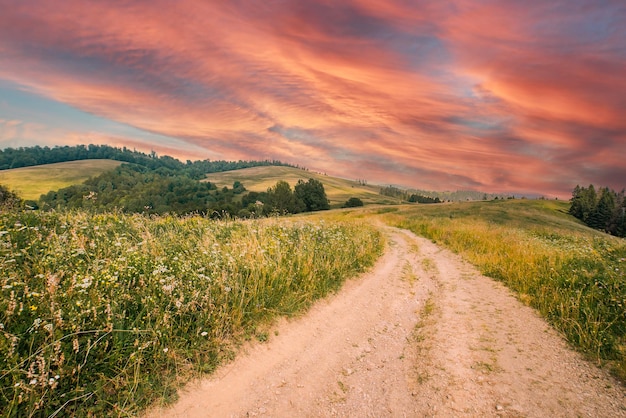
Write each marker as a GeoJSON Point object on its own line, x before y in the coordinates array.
{"type": "Point", "coordinates": [600, 218]}
{"type": "Point", "coordinates": [312, 194]}
{"type": "Point", "coordinates": [281, 199]}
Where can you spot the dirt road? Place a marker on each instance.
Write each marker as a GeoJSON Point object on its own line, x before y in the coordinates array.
{"type": "Point", "coordinates": [422, 334]}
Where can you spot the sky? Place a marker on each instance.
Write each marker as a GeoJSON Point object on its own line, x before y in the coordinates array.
{"type": "Point", "coordinates": [506, 96]}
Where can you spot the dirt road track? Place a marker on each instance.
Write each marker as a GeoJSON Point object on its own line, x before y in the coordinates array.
{"type": "Point", "coordinates": [422, 334]}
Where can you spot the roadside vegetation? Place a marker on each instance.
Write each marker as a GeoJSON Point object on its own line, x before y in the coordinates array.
{"type": "Point", "coordinates": [574, 276]}
{"type": "Point", "coordinates": [102, 314]}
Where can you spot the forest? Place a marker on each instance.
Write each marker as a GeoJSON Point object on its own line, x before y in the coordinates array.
{"type": "Point", "coordinates": [603, 209]}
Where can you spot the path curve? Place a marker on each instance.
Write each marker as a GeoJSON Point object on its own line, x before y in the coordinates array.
{"type": "Point", "coordinates": [422, 334]}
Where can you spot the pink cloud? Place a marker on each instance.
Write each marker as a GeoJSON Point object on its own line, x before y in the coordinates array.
{"type": "Point", "coordinates": [498, 95]}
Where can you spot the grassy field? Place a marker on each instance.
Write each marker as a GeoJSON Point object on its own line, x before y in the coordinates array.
{"type": "Point", "coordinates": [31, 182]}
{"type": "Point", "coordinates": [574, 276]}
{"type": "Point", "coordinates": [100, 315]}
{"type": "Point", "coordinates": [259, 179]}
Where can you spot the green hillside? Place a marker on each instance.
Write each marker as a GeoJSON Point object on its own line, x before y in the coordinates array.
{"type": "Point", "coordinates": [32, 182]}
{"type": "Point", "coordinates": [338, 190]}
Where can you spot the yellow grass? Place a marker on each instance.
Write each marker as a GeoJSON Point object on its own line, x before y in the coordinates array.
{"type": "Point", "coordinates": [31, 182]}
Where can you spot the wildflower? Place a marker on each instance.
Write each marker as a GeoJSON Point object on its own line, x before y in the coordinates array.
{"type": "Point", "coordinates": [165, 350]}
{"type": "Point", "coordinates": [204, 333]}
{"type": "Point", "coordinates": [33, 308]}
{"type": "Point", "coordinates": [86, 282]}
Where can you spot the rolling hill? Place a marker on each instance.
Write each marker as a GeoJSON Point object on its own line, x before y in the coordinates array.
{"type": "Point", "coordinates": [31, 182]}
{"type": "Point", "coordinates": [338, 190]}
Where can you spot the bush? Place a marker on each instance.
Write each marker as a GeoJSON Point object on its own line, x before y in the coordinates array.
{"type": "Point", "coordinates": [353, 202]}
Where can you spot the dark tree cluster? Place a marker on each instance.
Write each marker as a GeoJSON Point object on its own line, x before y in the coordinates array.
{"type": "Point", "coordinates": [353, 202]}
{"type": "Point", "coordinates": [398, 193]}
{"type": "Point", "coordinates": [30, 156]}
{"type": "Point", "coordinates": [603, 209]}
{"type": "Point", "coordinates": [280, 199]}
{"type": "Point", "coordinates": [137, 189]}
{"type": "Point", "coordinates": [416, 198]}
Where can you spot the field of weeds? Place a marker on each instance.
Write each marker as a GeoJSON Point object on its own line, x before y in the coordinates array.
{"type": "Point", "coordinates": [573, 275]}
{"type": "Point", "coordinates": [103, 314]}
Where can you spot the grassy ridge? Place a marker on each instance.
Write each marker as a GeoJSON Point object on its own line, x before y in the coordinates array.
{"type": "Point", "coordinates": [259, 179]}
{"type": "Point", "coordinates": [574, 276]}
{"type": "Point", "coordinates": [31, 182]}
{"type": "Point", "coordinates": [102, 314]}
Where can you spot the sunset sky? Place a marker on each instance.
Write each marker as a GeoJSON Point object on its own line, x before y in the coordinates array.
{"type": "Point", "coordinates": [501, 96]}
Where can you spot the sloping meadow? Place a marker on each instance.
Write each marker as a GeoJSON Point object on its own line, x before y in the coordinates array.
{"type": "Point", "coordinates": [574, 276]}
{"type": "Point", "coordinates": [103, 314]}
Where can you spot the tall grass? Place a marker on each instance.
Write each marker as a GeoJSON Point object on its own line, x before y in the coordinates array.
{"type": "Point", "coordinates": [574, 276]}
{"type": "Point", "coordinates": [103, 314]}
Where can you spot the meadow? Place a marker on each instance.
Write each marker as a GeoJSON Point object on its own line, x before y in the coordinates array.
{"type": "Point", "coordinates": [31, 182]}
{"type": "Point", "coordinates": [104, 314]}
{"type": "Point", "coordinates": [574, 276]}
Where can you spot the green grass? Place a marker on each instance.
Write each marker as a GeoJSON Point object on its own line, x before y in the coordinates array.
{"type": "Point", "coordinates": [31, 182]}
{"type": "Point", "coordinates": [104, 314]}
{"type": "Point", "coordinates": [573, 275]}
{"type": "Point", "coordinates": [338, 191]}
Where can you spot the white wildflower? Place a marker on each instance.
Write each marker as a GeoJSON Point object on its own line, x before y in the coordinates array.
{"type": "Point", "coordinates": [86, 282]}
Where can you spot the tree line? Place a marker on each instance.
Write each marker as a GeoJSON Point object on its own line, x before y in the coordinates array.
{"type": "Point", "coordinates": [31, 156]}
{"type": "Point", "coordinates": [398, 193]}
{"type": "Point", "coordinates": [603, 209]}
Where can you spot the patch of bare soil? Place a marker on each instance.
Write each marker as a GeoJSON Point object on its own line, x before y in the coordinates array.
{"type": "Point", "coordinates": [422, 334]}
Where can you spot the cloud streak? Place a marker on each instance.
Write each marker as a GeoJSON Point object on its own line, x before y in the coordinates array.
{"type": "Point", "coordinates": [491, 95]}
